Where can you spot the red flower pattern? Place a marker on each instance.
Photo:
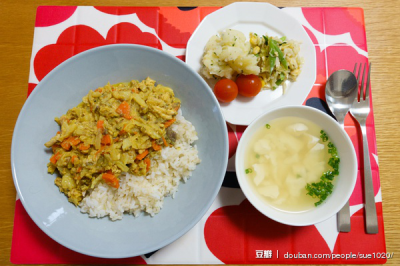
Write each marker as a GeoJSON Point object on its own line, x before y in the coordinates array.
{"type": "Point", "coordinates": [51, 15]}
{"type": "Point", "coordinates": [245, 230]}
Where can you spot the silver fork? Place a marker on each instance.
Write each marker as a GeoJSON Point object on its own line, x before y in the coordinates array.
{"type": "Point", "coordinates": [360, 111]}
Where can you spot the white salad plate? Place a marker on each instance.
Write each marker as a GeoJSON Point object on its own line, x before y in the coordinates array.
{"type": "Point", "coordinates": [260, 18]}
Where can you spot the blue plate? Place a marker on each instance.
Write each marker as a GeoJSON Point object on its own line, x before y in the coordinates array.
{"type": "Point", "coordinates": [62, 89]}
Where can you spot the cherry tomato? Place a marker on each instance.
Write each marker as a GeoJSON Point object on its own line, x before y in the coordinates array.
{"type": "Point", "coordinates": [225, 90]}
{"type": "Point", "coordinates": [248, 85]}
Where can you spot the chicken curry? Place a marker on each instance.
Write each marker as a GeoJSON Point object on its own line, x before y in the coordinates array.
{"type": "Point", "coordinates": [115, 129]}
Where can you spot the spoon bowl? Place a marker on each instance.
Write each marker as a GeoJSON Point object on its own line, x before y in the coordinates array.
{"type": "Point", "coordinates": [340, 91]}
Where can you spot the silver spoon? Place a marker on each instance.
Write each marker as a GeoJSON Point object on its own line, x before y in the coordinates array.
{"type": "Point", "coordinates": [340, 91]}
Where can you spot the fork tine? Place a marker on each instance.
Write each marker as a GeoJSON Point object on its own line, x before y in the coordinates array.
{"type": "Point", "coordinates": [368, 87]}
{"type": "Point", "coordinates": [362, 83]}
{"type": "Point", "coordinates": [359, 73]}
{"type": "Point", "coordinates": [358, 80]}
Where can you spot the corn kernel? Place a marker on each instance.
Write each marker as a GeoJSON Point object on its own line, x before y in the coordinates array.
{"type": "Point", "coordinates": [254, 40]}
{"type": "Point", "coordinates": [256, 50]}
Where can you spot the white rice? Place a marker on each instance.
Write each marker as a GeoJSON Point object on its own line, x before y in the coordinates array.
{"type": "Point", "coordinates": [146, 193]}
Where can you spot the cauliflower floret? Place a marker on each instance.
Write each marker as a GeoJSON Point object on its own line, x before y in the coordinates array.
{"type": "Point", "coordinates": [227, 55]}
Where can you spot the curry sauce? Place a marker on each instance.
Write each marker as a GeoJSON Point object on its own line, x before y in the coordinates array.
{"type": "Point", "coordinates": [116, 128]}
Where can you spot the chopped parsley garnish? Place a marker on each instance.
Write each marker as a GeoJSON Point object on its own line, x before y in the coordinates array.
{"type": "Point", "coordinates": [324, 187]}
{"type": "Point", "coordinates": [320, 190]}
{"type": "Point", "coordinates": [249, 171]}
{"type": "Point", "coordinates": [267, 126]}
{"type": "Point", "coordinates": [323, 136]}
{"type": "Point", "coordinates": [257, 155]}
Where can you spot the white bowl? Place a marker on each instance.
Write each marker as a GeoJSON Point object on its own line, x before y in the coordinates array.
{"type": "Point", "coordinates": [345, 181]}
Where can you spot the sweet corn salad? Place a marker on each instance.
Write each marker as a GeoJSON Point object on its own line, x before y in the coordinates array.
{"type": "Point", "coordinates": [275, 60]}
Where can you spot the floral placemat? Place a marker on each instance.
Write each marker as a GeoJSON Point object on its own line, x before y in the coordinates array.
{"type": "Point", "coordinates": [232, 231]}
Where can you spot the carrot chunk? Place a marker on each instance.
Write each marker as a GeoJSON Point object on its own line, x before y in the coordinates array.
{"type": "Point", "coordinates": [148, 163]}
{"type": "Point", "coordinates": [142, 155]}
{"type": "Point", "coordinates": [111, 180]}
{"type": "Point", "coordinates": [73, 158]}
{"type": "Point", "coordinates": [169, 122]}
{"type": "Point", "coordinates": [66, 145]}
{"type": "Point", "coordinates": [100, 124]}
{"type": "Point", "coordinates": [83, 147]}
{"type": "Point", "coordinates": [124, 108]}
{"type": "Point", "coordinates": [74, 140]}
{"type": "Point", "coordinates": [155, 146]}
{"type": "Point", "coordinates": [106, 139]}
{"type": "Point", "coordinates": [55, 158]}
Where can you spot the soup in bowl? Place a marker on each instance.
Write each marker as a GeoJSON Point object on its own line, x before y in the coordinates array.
{"type": "Point", "coordinates": [296, 165]}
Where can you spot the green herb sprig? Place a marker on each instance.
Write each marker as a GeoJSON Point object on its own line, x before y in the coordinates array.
{"type": "Point", "coordinates": [324, 187]}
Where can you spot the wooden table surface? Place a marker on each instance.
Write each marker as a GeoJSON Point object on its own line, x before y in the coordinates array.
{"type": "Point", "coordinates": [382, 20]}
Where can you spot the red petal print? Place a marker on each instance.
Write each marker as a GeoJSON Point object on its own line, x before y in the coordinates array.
{"type": "Point", "coordinates": [80, 38]}
{"type": "Point", "coordinates": [52, 15]}
{"type": "Point", "coordinates": [184, 21]}
{"type": "Point", "coordinates": [343, 57]}
{"type": "Point", "coordinates": [245, 230]}
{"type": "Point", "coordinates": [342, 20]}
{"type": "Point", "coordinates": [177, 26]}
{"type": "Point", "coordinates": [31, 86]}
{"type": "Point", "coordinates": [336, 21]}
{"type": "Point", "coordinates": [232, 141]}
{"type": "Point", "coordinates": [72, 41]}
{"type": "Point", "coordinates": [314, 16]}
{"type": "Point", "coordinates": [148, 16]}
{"type": "Point", "coordinates": [31, 245]}
{"type": "Point", "coordinates": [359, 243]}
{"type": "Point", "coordinates": [129, 33]}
